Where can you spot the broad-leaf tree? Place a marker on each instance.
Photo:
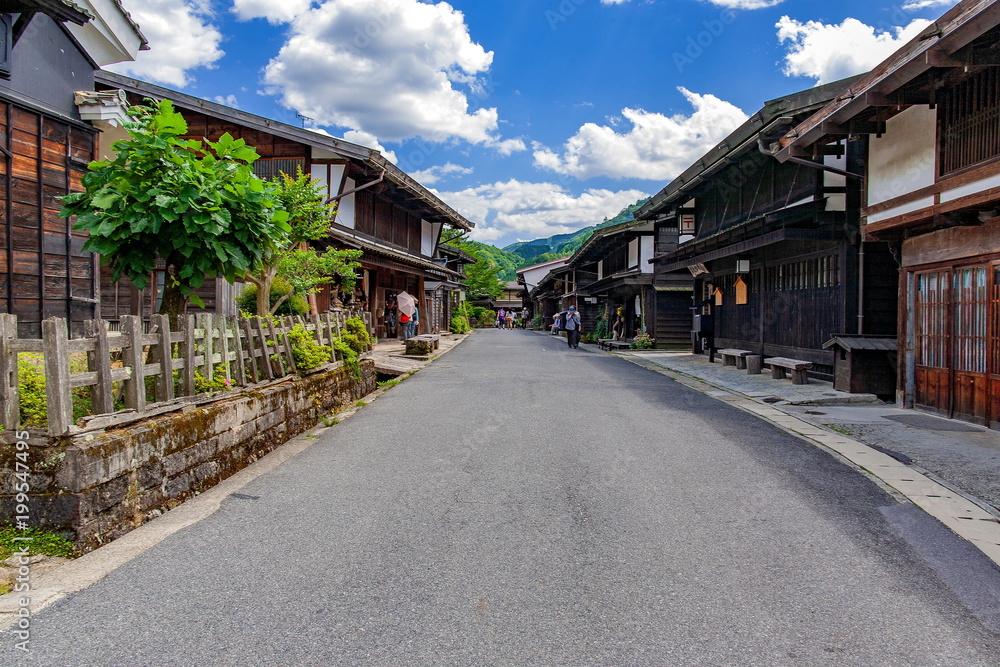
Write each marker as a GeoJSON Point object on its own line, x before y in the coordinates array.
{"type": "Point", "coordinates": [196, 205]}
{"type": "Point", "coordinates": [303, 267]}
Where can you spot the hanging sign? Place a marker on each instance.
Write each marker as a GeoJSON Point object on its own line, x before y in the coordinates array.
{"type": "Point", "coordinates": [742, 292]}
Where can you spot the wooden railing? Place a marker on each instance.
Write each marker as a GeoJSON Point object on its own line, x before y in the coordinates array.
{"type": "Point", "coordinates": [148, 373]}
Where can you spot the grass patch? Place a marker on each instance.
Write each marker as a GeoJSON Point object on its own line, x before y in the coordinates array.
{"type": "Point", "coordinates": [361, 404]}
{"type": "Point", "coordinates": [42, 543]}
{"type": "Point", "coordinates": [840, 429]}
{"type": "Point", "coordinates": [388, 383]}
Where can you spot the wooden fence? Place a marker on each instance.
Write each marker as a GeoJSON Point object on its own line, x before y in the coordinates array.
{"type": "Point", "coordinates": [151, 372]}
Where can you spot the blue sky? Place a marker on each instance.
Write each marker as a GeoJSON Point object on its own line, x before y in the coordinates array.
{"type": "Point", "coordinates": [529, 117]}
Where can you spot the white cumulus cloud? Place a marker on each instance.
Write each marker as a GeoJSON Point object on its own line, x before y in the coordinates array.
{"type": "Point", "coordinates": [395, 69]}
{"type": "Point", "coordinates": [517, 210]}
{"type": "Point", "coordinates": [181, 38]}
{"type": "Point", "coordinates": [745, 4]}
{"type": "Point", "coordinates": [434, 174]}
{"type": "Point", "coordinates": [369, 140]}
{"type": "Point", "coordinates": [656, 147]}
{"type": "Point", "coordinates": [915, 5]}
{"type": "Point", "coordinates": [275, 11]}
{"type": "Point", "coordinates": [828, 52]}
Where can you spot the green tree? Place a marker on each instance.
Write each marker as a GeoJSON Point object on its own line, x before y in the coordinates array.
{"type": "Point", "coordinates": [198, 206]}
{"type": "Point", "coordinates": [302, 267]}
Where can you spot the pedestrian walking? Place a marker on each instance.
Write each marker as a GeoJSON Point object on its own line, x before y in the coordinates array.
{"type": "Point", "coordinates": [556, 326]}
{"type": "Point", "coordinates": [524, 318]}
{"type": "Point", "coordinates": [510, 319]}
{"type": "Point", "coordinates": [573, 326]}
{"type": "Point", "coordinates": [501, 318]}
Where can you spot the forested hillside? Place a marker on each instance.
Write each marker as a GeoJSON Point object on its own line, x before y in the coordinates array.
{"type": "Point", "coordinates": [564, 245]}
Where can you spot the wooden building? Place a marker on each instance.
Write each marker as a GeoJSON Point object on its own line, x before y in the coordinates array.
{"type": "Point", "coordinates": [615, 272]}
{"type": "Point", "coordinates": [394, 220]}
{"type": "Point", "coordinates": [774, 247]}
{"type": "Point", "coordinates": [50, 52]}
{"type": "Point", "coordinates": [529, 278]}
{"type": "Point", "coordinates": [932, 192]}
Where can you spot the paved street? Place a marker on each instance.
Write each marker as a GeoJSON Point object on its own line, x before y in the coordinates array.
{"type": "Point", "coordinates": [520, 503]}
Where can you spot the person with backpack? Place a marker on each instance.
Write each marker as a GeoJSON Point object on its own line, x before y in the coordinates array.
{"type": "Point", "coordinates": [572, 325]}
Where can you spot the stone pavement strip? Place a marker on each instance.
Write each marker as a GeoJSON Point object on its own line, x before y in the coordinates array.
{"type": "Point", "coordinates": [967, 518]}
{"type": "Point", "coordinates": [78, 574]}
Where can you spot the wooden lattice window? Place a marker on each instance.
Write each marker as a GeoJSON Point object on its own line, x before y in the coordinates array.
{"type": "Point", "coordinates": [970, 121]}
{"type": "Point", "coordinates": [269, 168]}
{"type": "Point", "coordinates": [971, 296]}
{"type": "Point", "coordinates": [931, 303]}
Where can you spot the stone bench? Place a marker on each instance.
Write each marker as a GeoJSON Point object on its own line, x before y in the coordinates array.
{"type": "Point", "coordinates": [780, 366]}
{"type": "Point", "coordinates": [612, 344]}
{"type": "Point", "coordinates": [423, 344]}
{"type": "Point", "coordinates": [734, 357]}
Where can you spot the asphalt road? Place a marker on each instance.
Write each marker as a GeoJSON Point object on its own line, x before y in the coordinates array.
{"type": "Point", "coordinates": [520, 503]}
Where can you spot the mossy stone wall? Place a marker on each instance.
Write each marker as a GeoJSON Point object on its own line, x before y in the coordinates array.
{"type": "Point", "coordinates": [98, 486]}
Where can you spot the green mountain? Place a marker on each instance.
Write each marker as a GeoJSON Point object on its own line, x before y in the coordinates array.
{"type": "Point", "coordinates": [564, 245]}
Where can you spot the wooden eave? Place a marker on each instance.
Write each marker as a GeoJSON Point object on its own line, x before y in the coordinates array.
{"type": "Point", "coordinates": [958, 27]}
{"type": "Point", "coordinates": [742, 140]}
{"type": "Point", "coordinates": [632, 278]}
{"type": "Point", "coordinates": [60, 10]}
{"type": "Point", "coordinates": [371, 246]}
{"type": "Point", "coordinates": [602, 239]}
{"type": "Point", "coordinates": [755, 233]}
{"type": "Point", "coordinates": [415, 196]}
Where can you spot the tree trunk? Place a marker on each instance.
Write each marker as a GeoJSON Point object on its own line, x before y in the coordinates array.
{"type": "Point", "coordinates": [174, 302]}
{"type": "Point", "coordinates": [264, 291]}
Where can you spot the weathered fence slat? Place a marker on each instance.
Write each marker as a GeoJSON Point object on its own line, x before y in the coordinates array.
{"type": "Point", "coordinates": [187, 352]}
{"type": "Point", "coordinates": [240, 371]}
{"type": "Point", "coordinates": [58, 395]}
{"type": "Point", "coordinates": [99, 361]}
{"type": "Point", "coordinates": [135, 386]}
{"type": "Point", "coordinates": [10, 408]}
{"type": "Point", "coordinates": [250, 349]}
{"type": "Point", "coordinates": [286, 343]}
{"type": "Point", "coordinates": [163, 355]}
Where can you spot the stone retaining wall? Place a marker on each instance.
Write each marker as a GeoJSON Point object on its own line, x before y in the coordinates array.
{"type": "Point", "coordinates": [101, 485]}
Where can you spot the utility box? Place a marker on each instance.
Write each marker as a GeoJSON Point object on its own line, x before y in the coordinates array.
{"type": "Point", "coordinates": [864, 364]}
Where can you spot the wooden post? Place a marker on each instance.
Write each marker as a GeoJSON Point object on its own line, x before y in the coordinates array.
{"type": "Point", "coordinates": [250, 350]}
{"type": "Point", "coordinates": [10, 404]}
{"type": "Point", "coordinates": [226, 357]}
{"type": "Point", "coordinates": [58, 396]}
{"type": "Point", "coordinates": [99, 361]}
{"type": "Point", "coordinates": [208, 349]}
{"type": "Point", "coordinates": [164, 356]}
{"type": "Point", "coordinates": [241, 370]}
{"type": "Point", "coordinates": [187, 377]}
{"type": "Point", "coordinates": [754, 364]}
{"type": "Point", "coordinates": [135, 386]}
{"type": "Point", "coordinates": [265, 349]}
{"type": "Point", "coordinates": [286, 344]}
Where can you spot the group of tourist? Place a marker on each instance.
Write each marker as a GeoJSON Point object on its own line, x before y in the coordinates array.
{"type": "Point", "coordinates": [511, 318]}
{"type": "Point", "coordinates": [568, 321]}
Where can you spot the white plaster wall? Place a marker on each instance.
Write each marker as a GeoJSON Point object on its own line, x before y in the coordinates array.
{"type": "Point", "coordinates": [428, 237]}
{"type": "Point", "coordinates": [345, 207]}
{"type": "Point", "coordinates": [902, 159]}
{"type": "Point", "coordinates": [645, 254]}
{"type": "Point", "coordinates": [633, 253]}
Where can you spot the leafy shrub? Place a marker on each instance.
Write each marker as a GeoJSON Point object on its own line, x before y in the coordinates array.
{"type": "Point", "coordinates": [356, 327]}
{"type": "Point", "coordinates": [460, 324]}
{"type": "Point", "coordinates": [486, 318]}
{"type": "Point", "coordinates": [307, 353]}
{"type": "Point", "coordinates": [219, 381]}
{"type": "Point", "coordinates": [349, 355]}
{"type": "Point", "coordinates": [294, 305]}
{"type": "Point", "coordinates": [31, 390]}
{"type": "Point", "coordinates": [602, 330]}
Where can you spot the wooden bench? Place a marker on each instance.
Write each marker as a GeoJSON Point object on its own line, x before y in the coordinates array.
{"type": "Point", "coordinates": [423, 344]}
{"type": "Point", "coordinates": [734, 357]}
{"type": "Point", "coordinates": [612, 344]}
{"type": "Point", "coordinates": [780, 366]}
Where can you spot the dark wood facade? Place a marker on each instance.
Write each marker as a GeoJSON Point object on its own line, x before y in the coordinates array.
{"type": "Point", "coordinates": [935, 105]}
{"type": "Point", "coordinates": [44, 271]}
{"type": "Point", "coordinates": [776, 252]}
